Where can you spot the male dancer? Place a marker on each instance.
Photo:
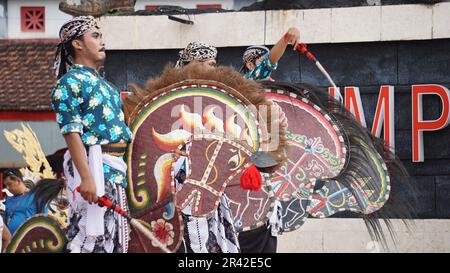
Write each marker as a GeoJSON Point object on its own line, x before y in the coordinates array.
{"type": "Point", "coordinates": [89, 113]}
{"type": "Point", "coordinates": [216, 233]}
{"type": "Point", "coordinates": [258, 63]}
{"type": "Point", "coordinates": [197, 52]}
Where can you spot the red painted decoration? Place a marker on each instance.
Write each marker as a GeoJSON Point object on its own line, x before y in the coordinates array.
{"type": "Point", "coordinates": [151, 7]}
{"type": "Point", "coordinates": [209, 6]}
{"type": "Point", "coordinates": [27, 115]}
{"type": "Point", "coordinates": [419, 125]}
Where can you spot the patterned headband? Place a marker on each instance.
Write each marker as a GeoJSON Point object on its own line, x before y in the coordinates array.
{"type": "Point", "coordinates": [254, 52]}
{"type": "Point", "coordinates": [196, 51]}
{"type": "Point", "coordinates": [74, 28]}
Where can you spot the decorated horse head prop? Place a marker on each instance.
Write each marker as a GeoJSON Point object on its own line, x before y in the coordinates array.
{"type": "Point", "coordinates": [318, 162]}
{"type": "Point", "coordinates": [220, 119]}
{"type": "Point", "coordinates": [224, 120]}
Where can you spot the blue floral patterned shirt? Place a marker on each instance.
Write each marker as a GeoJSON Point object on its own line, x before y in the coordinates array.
{"type": "Point", "coordinates": [262, 70]}
{"type": "Point", "coordinates": [85, 103]}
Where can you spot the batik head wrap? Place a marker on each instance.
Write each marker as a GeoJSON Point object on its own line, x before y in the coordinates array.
{"type": "Point", "coordinates": [196, 51]}
{"type": "Point", "coordinates": [251, 54]}
{"type": "Point", "coordinates": [74, 28]}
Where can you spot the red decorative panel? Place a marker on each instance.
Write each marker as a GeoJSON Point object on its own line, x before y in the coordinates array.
{"type": "Point", "coordinates": [209, 6]}
{"type": "Point", "coordinates": [32, 19]}
{"type": "Point", "coordinates": [151, 7]}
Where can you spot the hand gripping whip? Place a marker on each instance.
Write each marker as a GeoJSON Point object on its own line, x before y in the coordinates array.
{"type": "Point", "coordinates": [302, 48]}
{"type": "Point", "coordinates": [104, 201]}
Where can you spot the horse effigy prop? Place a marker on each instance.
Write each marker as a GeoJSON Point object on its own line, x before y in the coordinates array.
{"type": "Point", "coordinates": [322, 160]}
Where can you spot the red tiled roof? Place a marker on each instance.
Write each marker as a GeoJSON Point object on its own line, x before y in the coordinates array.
{"type": "Point", "coordinates": [26, 75]}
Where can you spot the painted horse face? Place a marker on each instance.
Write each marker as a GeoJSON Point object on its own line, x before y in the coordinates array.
{"type": "Point", "coordinates": [162, 124]}
{"type": "Point", "coordinates": [215, 162]}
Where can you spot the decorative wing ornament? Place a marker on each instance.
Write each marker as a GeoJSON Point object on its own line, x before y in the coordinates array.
{"type": "Point", "coordinates": [40, 233]}
{"type": "Point", "coordinates": [26, 143]}
{"type": "Point", "coordinates": [317, 150]}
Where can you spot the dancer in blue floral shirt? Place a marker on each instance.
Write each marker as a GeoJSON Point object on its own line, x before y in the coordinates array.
{"type": "Point", "coordinates": [89, 113]}
{"type": "Point", "coordinates": [87, 104]}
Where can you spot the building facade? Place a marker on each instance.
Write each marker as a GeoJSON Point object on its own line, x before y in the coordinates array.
{"type": "Point", "coordinates": [365, 49]}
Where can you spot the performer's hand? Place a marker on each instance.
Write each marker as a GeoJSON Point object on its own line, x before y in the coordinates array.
{"type": "Point", "coordinates": [281, 115]}
{"type": "Point", "coordinates": [269, 79]}
{"type": "Point", "coordinates": [292, 36]}
{"type": "Point", "coordinates": [176, 154]}
{"type": "Point", "coordinates": [88, 190]}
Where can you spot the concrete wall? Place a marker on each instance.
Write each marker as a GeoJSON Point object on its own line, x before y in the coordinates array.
{"type": "Point", "coordinates": [332, 25]}
{"type": "Point", "coordinates": [350, 235]}
{"type": "Point", "coordinates": [54, 19]}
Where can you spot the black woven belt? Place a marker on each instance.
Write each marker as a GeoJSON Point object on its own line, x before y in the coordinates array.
{"type": "Point", "coordinates": [115, 149]}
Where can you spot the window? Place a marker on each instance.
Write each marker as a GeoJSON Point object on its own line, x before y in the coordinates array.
{"type": "Point", "coordinates": [210, 6]}
{"type": "Point", "coordinates": [32, 19]}
{"type": "Point", "coordinates": [151, 7]}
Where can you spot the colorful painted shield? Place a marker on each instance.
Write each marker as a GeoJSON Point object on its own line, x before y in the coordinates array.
{"type": "Point", "coordinates": [316, 151]}
{"type": "Point", "coordinates": [39, 234]}
{"type": "Point", "coordinates": [369, 188]}
{"type": "Point", "coordinates": [161, 123]}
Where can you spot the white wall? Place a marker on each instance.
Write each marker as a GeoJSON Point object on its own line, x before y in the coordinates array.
{"type": "Point", "coordinates": [335, 25]}
{"type": "Point", "coordinates": [337, 235]}
{"type": "Point", "coordinates": [54, 19]}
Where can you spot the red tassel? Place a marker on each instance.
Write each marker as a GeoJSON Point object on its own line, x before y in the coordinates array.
{"type": "Point", "coordinates": [251, 179]}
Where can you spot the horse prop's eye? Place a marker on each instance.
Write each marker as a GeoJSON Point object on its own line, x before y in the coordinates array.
{"type": "Point", "coordinates": [235, 162]}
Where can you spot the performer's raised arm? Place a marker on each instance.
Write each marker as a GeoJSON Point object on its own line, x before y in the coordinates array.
{"type": "Point", "coordinates": [259, 61]}
{"type": "Point", "coordinates": [292, 36]}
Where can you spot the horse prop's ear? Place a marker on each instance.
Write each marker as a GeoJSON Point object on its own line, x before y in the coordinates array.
{"type": "Point", "coordinates": [263, 160]}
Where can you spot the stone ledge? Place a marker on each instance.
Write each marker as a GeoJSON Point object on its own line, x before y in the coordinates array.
{"type": "Point", "coordinates": [335, 25]}
{"type": "Point", "coordinates": [333, 235]}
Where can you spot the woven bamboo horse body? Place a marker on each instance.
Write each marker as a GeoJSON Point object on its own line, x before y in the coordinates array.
{"type": "Point", "coordinates": [355, 172]}
{"type": "Point", "coordinates": [336, 186]}
{"type": "Point", "coordinates": [170, 110]}
{"type": "Point", "coordinates": [151, 190]}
